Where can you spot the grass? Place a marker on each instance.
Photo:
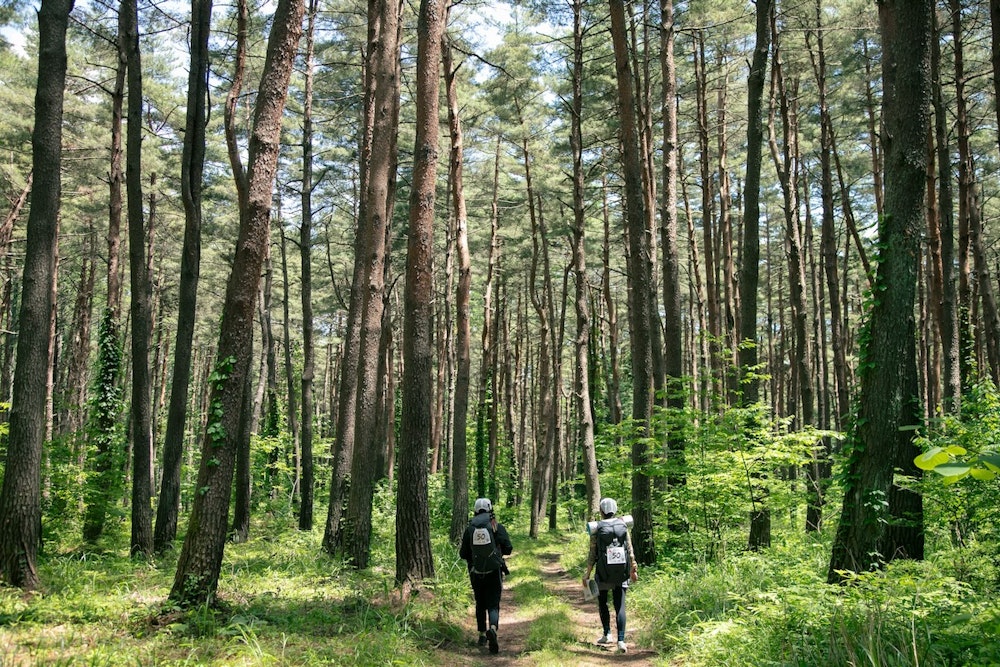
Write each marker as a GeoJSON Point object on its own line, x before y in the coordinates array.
{"type": "Point", "coordinates": [775, 608]}
{"type": "Point", "coordinates": [283, 602]}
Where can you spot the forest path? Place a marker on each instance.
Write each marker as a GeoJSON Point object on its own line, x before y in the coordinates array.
{"type": "Point", "coordinates": [542, 598]}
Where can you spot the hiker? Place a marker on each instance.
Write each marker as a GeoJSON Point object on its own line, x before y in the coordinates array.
{"type": "Point", "coordinates": [611, 551]}
{"type": "Point", "coordinates": [484, 545]}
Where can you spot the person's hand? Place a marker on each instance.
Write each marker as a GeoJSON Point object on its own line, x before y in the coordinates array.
{"type": "Point", "coordinates": [635, 575]}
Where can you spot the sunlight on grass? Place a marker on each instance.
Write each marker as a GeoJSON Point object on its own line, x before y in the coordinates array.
{"type": "Point", "coordinates": [282, 601]}
{"type": "Point", "coordinates": [551, 630]}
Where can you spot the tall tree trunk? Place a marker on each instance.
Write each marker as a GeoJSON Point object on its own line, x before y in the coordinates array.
{"type": "Point", "coordinates": [729, 298]}
{"type": "Point", "coordinates": [828, 251]}
{"type": "Point", "coordinates": [640, 276]}
{"type": "Point", "coordinates": [559, 329]}
{"type": "Point", "coordinates": [760, 520]}
{"type": "Point", "coordinates": [584, 413]}
{"type": "Point", "coordinates": [192, 174]}
{"type": "Point", "coordinates": [349, 372]}
{"type": "Point", "coordinates": [463, 331]}
{"type": "Point", "coordinates": [785, 159]}
{"type": "Point", "coordinates": [711, 305]}
{"type": "Point", "coordinates": [241, 514]}
{"type": "Point", "coordinates": [79, 344]}
{"type": "Point", "coordinates": [969, 207]}
{"type": "Point", "coordinates": [414, 561]}
{"type": "Point", "coordinates": [286, 327]}
{"type": "Point", "coordinates": [990, 315]}
{"type": "Point", "coordinates": [305, 249]}
{"type": "Point", "coordinates": [239, 532]}
{"type": "Point", "coordinates": [141, 314]}
{"type": "Point", "coordinates": [966, 186]}
{"type": "Point", "coordinates": [200, 561]}
{"type": "Point", "coordinates": [828, 241]}
{"type": "Point", "coordinates": [672, 310]}
{"type": "Point", "coordinates": [614, 375]}
{"type": "Point", "coordinates": [874, 136]}
{"type": "Point", "coordinates": [20, 495]}
{"type": "Point", "coordinates": [346, 393]}
{"type": "Point", "coordinates": [105, 475]}
{"type": "Point", "coordinates": [882, 521]}
{"type": "Point", "coordinates": [116, 177]}
{"type": "Point", "coordinates": [383, 68]}
{"type": "Point", "coordinates": [271, 428]}
{"type": "Point", "coordinates": [544, 443]}
{"type": "Point", "coordinates": [945, 300]}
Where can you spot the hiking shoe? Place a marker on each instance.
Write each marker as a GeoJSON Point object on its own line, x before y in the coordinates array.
{"type": "Point", "coordinates": [482, 639]}
{"type": "Point", "coordinates": [491, 636]}
{"type": "Point", "coordinates": [622, 648]}
{"type": "Point", "coordinates": [605, 639]}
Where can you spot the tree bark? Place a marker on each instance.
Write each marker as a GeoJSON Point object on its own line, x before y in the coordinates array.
{"type": "Point", "coordinates": [711, 302]}
{"type": "Point", "coordinates": [584, 413]}
{"type": "Point", "coordinates": [20, 495]}
{"type": "Point", "coordinates": [200, 561]}
{"type": "Point", "coordinates": [192, 174]}
{"type": "Point", "coordinates": [828, 251]}
{"type": "Point", "coordinates": [463, 331]}
{"type": "Point", "coordinates": [969, 206]}
{"type": "Point", "coordinates": [614, 375]}
{"type": "Point", "coordinates": [639, 285]}
{"type": "Point", "coordinates": [542, 472]}
{"type": "Point", "coordinates": [672, 310]}
{"type": "Point", "coordinates": [414, 561]}
{"type": "Point", "coordinates": [945, 299]}
{"type": "Point", "coordinates": [141, 312]}
{"type": "Point", "coordinates": [286, 328]}
{"type": "Point", "coordinates": [305, 250]}
{"type": "Point", "coordinates": [880, 520]}
{"type": "Point", "coordinates": [760, 521]}
{"type": "Point", "coordinates": [383, 68]}
{"type": "Point", "coordinates": [785, 159]}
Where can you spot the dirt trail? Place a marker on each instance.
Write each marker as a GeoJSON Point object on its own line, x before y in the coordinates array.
{"type": "Point", "coordinates": [515, 625]}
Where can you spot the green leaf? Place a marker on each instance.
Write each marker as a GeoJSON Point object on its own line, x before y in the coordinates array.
{"type": "Point", "coordinates": [931, 459]}
{"type": "Point", "coordinates": [953, 472]}
{"type": "Point", "coordinates": [983, 475]}
{"type": "Point", "coordinates": [956, 450]}
{"type": "Point", "coordinates": [991, 459]}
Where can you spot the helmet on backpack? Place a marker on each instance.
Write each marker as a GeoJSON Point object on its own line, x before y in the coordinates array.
{"type": "Point", "coordinates": [483, 505]}
{"type": "Point", "coordinates": [608, 506]}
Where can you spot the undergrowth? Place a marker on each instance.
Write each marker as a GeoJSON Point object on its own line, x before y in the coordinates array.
{"type": "Point", "coordinates": [282, 602]}
{"type": "Point", "coordinates": [775, 608]}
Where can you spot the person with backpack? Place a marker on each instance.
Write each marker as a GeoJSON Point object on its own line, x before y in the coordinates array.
{"type": "Point", "coordinates": [484, 544]}
{"type": "Point", "coordinates": [611, 552]}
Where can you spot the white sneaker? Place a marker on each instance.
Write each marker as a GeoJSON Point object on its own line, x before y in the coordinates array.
{"type": "Point", "coordinates": [622, 648]}
{"type": "Point", "coordinates": [606, 639]}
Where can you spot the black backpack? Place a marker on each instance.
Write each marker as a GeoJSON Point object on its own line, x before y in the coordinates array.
{"type": "Point", "coordinates": [486, 556]}
{"type": "Point", "coordinates": [614, 562]}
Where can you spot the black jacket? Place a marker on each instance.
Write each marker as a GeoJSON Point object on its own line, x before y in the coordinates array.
{"type": "Point", "coordinates": [480, 521]}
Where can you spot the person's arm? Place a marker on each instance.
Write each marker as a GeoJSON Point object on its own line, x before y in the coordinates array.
{"type": "Point", "coordinates": [465, 552]}
{"type": "Point", "coordinates": [634, 574]}
{"type": "Point", "coordinates": [591, 557]}
{"type": "Point", "coordinates": [503, 539]}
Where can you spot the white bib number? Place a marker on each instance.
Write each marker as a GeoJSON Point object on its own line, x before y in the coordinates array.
{"type": "Point", "coordinates": [616, 555]}
{"type": "Point", "coordinates": [481, 536]}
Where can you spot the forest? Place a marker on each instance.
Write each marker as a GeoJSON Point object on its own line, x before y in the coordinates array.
{"type": "Point", "coordinates": [286, 286]}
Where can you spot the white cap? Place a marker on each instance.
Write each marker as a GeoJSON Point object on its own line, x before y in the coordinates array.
{"type": "Point", "coordinates": [608, 506]}
{"type": "Point", "coordinates": [483, 505]}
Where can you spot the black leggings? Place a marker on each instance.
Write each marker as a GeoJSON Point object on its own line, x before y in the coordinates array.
{"type": "Point", "coordinates": [487, 589]}
{"type": "Point", "coordinates": [618, 595]}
